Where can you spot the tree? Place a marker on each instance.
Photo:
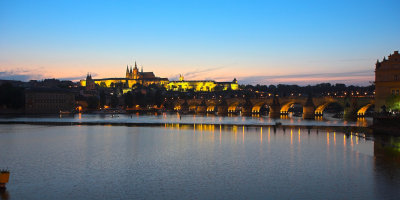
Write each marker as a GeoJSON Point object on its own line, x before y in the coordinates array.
{"type": "Point", "coordinates": [93, 102]}
{"type": "Point", "coordinates": [12, 97]}
{"type": "Point", "coordinates": [103, 84]}
{"type": "Point", "coordinates": [128, 98]}
{"type": "Point", "coordinates": [102, 98]}
{"type": "Point", "coordinates": [393, 102]}
{"type": "Point", "coordinates": [114, 100]}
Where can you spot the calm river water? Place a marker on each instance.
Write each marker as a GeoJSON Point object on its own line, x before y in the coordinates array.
{"type": "Point", "coordinates": [196, 162]}
{"type": "Point", "coordinates": [327, 120]}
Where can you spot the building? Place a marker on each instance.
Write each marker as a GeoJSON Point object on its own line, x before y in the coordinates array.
{"type": "Point", "coordinates": [387, 82]}
{"type": "Point", "coordinates": [49, 101]}
{"type": "Point", "coordinates": [133, 76]}
{"type": "Point", "coordinates": [201, 85]}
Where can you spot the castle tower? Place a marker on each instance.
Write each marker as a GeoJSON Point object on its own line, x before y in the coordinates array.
{"type": "Point", "coordinates": [127, 71]}
{"type": "Point", "coordinates": [135, 72]}
{"type": "Point", "coordinates": [90, 84]}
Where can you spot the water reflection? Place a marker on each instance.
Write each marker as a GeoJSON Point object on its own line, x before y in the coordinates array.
{"type": "Point", "coordinates": [191, 118]}
{"type": "Point", "coordinates": [4, 194]}
{"type": "Point", "coordinates": [387, 166]}
{"type": "Point", "coordinates": [191, 161]}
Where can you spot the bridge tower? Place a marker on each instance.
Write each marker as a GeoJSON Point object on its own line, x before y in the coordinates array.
{"type": "Point", "coordinates": [309, 108]}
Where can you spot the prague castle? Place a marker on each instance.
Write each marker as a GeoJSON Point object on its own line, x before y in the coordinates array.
{"type": "Point", "coordinates": [387, 80]}
{"type": "Point", "coordinates": [134, 76]}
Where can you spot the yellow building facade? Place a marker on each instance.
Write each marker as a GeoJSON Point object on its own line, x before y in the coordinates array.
{"type": "Point", "coordinates": [201, 86]}
{"type": "Point", "coordinates": [133, 76]}
{"type": "Point", "coordinates": [387, 81]}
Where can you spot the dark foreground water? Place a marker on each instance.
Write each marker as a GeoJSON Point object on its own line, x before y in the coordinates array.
{"type": "Point", "coordinates": [201, 162]}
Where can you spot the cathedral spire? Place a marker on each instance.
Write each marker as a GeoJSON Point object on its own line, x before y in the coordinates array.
{"type": "Point", "coordinates": [135, 65]}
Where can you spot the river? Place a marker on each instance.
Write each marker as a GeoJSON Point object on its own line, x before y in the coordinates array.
{"type": "Point", "coordinates": [196, 161]}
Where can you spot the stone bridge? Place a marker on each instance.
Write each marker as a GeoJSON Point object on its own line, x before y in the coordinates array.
{"type": "Point", "coordinates": [352, 106]}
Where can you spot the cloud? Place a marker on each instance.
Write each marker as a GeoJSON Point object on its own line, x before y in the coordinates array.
{"type": "Point", "coordinates": [363, 77]}
{"type": "Point", "coordinates": [342, 60]}
{"type": "Point", "coordinates": [20, 75]}
{"type": "Point", "coordinates": [196, 73]}
{"type": "Point", "coordinates": [77, 78]}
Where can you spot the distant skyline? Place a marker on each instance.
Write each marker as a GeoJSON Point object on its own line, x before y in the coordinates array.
{"type": "Point", "coordinates": [265, 42]}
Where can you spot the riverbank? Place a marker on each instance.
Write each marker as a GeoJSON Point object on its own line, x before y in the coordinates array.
{"type": "Point", "coordinates": [386, 125]}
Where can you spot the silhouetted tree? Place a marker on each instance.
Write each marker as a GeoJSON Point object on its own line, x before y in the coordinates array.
{"type": "Point", "coordinates": [93, 102]}
{"type": "Point", "coordinates": [11, 97]}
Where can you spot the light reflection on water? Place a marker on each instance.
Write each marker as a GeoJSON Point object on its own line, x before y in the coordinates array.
{"type": "Point", "coordinates": [192, 118]}
{"type": "Point", "coordinates": [178, 161]}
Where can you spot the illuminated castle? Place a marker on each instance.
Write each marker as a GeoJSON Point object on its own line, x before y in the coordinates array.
{"type": "Point", "coordinates": [133, 76]}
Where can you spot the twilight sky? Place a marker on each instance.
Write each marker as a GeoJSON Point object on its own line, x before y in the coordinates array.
{"type": "Point", "coordinates": [266, 42]}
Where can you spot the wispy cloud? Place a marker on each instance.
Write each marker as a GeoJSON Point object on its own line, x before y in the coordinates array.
{"type": "Point", "coordinates": [342, 60]}
{"type": "Point", "coordinates": [196, 73]}
{"type": "Point", "coordinates": [20, 75]}
{"type": "Point", "coordinates": [362, 77]}
{"type": "Point", "coordinates": [77, 78]}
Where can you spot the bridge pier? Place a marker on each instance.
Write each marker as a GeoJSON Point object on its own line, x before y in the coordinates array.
{"type": "Point", "coordinates": [275, 108]}
{"type": "Point", "coordinates": [247, 107]}
{"type": "Point", "coordinates": [202, 108]}
{"type": "Point", "coordinates": [184, 107]}
{"type": "Point", "coordinates": [222, 110]}
{"type": "Point", "coordinates": [309, 109]}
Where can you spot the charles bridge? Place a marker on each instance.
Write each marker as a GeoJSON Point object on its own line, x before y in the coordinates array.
{"type": "Point", "coordinates": [353, 107]}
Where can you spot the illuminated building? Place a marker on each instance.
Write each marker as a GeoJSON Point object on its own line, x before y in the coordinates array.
{"type": "Point", "coordinates": [201, 85]}
{"type": "Point", "coordinates": [387, 81]}
{"type": "Point", "coordinates": [133, 76]}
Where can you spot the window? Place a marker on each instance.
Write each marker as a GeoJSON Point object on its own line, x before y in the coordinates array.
{"type": "Point", "coordinates": [395, 77]}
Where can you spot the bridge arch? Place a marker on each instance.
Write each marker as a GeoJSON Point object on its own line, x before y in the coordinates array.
{"type": "Point", "coordinates": [192, 108]}
{"type": "Point", "coordinates": [233, 107]}
{"type": "Point", "coordinates": [211, 108]}
{"type": "Point", "coordinates": [259, 107]}
{"type": "Point", "coordinates": [361, 112]}
{"type": "Point", "coordinates": [285, 108]}
{"type": "Point", "coordinates": [177, 107]}
{"type": "Point", "coordinates": [321, 108]}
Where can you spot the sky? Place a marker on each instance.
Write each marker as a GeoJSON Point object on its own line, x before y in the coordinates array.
{"type": "Point", "coordinates": [257, 42]}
